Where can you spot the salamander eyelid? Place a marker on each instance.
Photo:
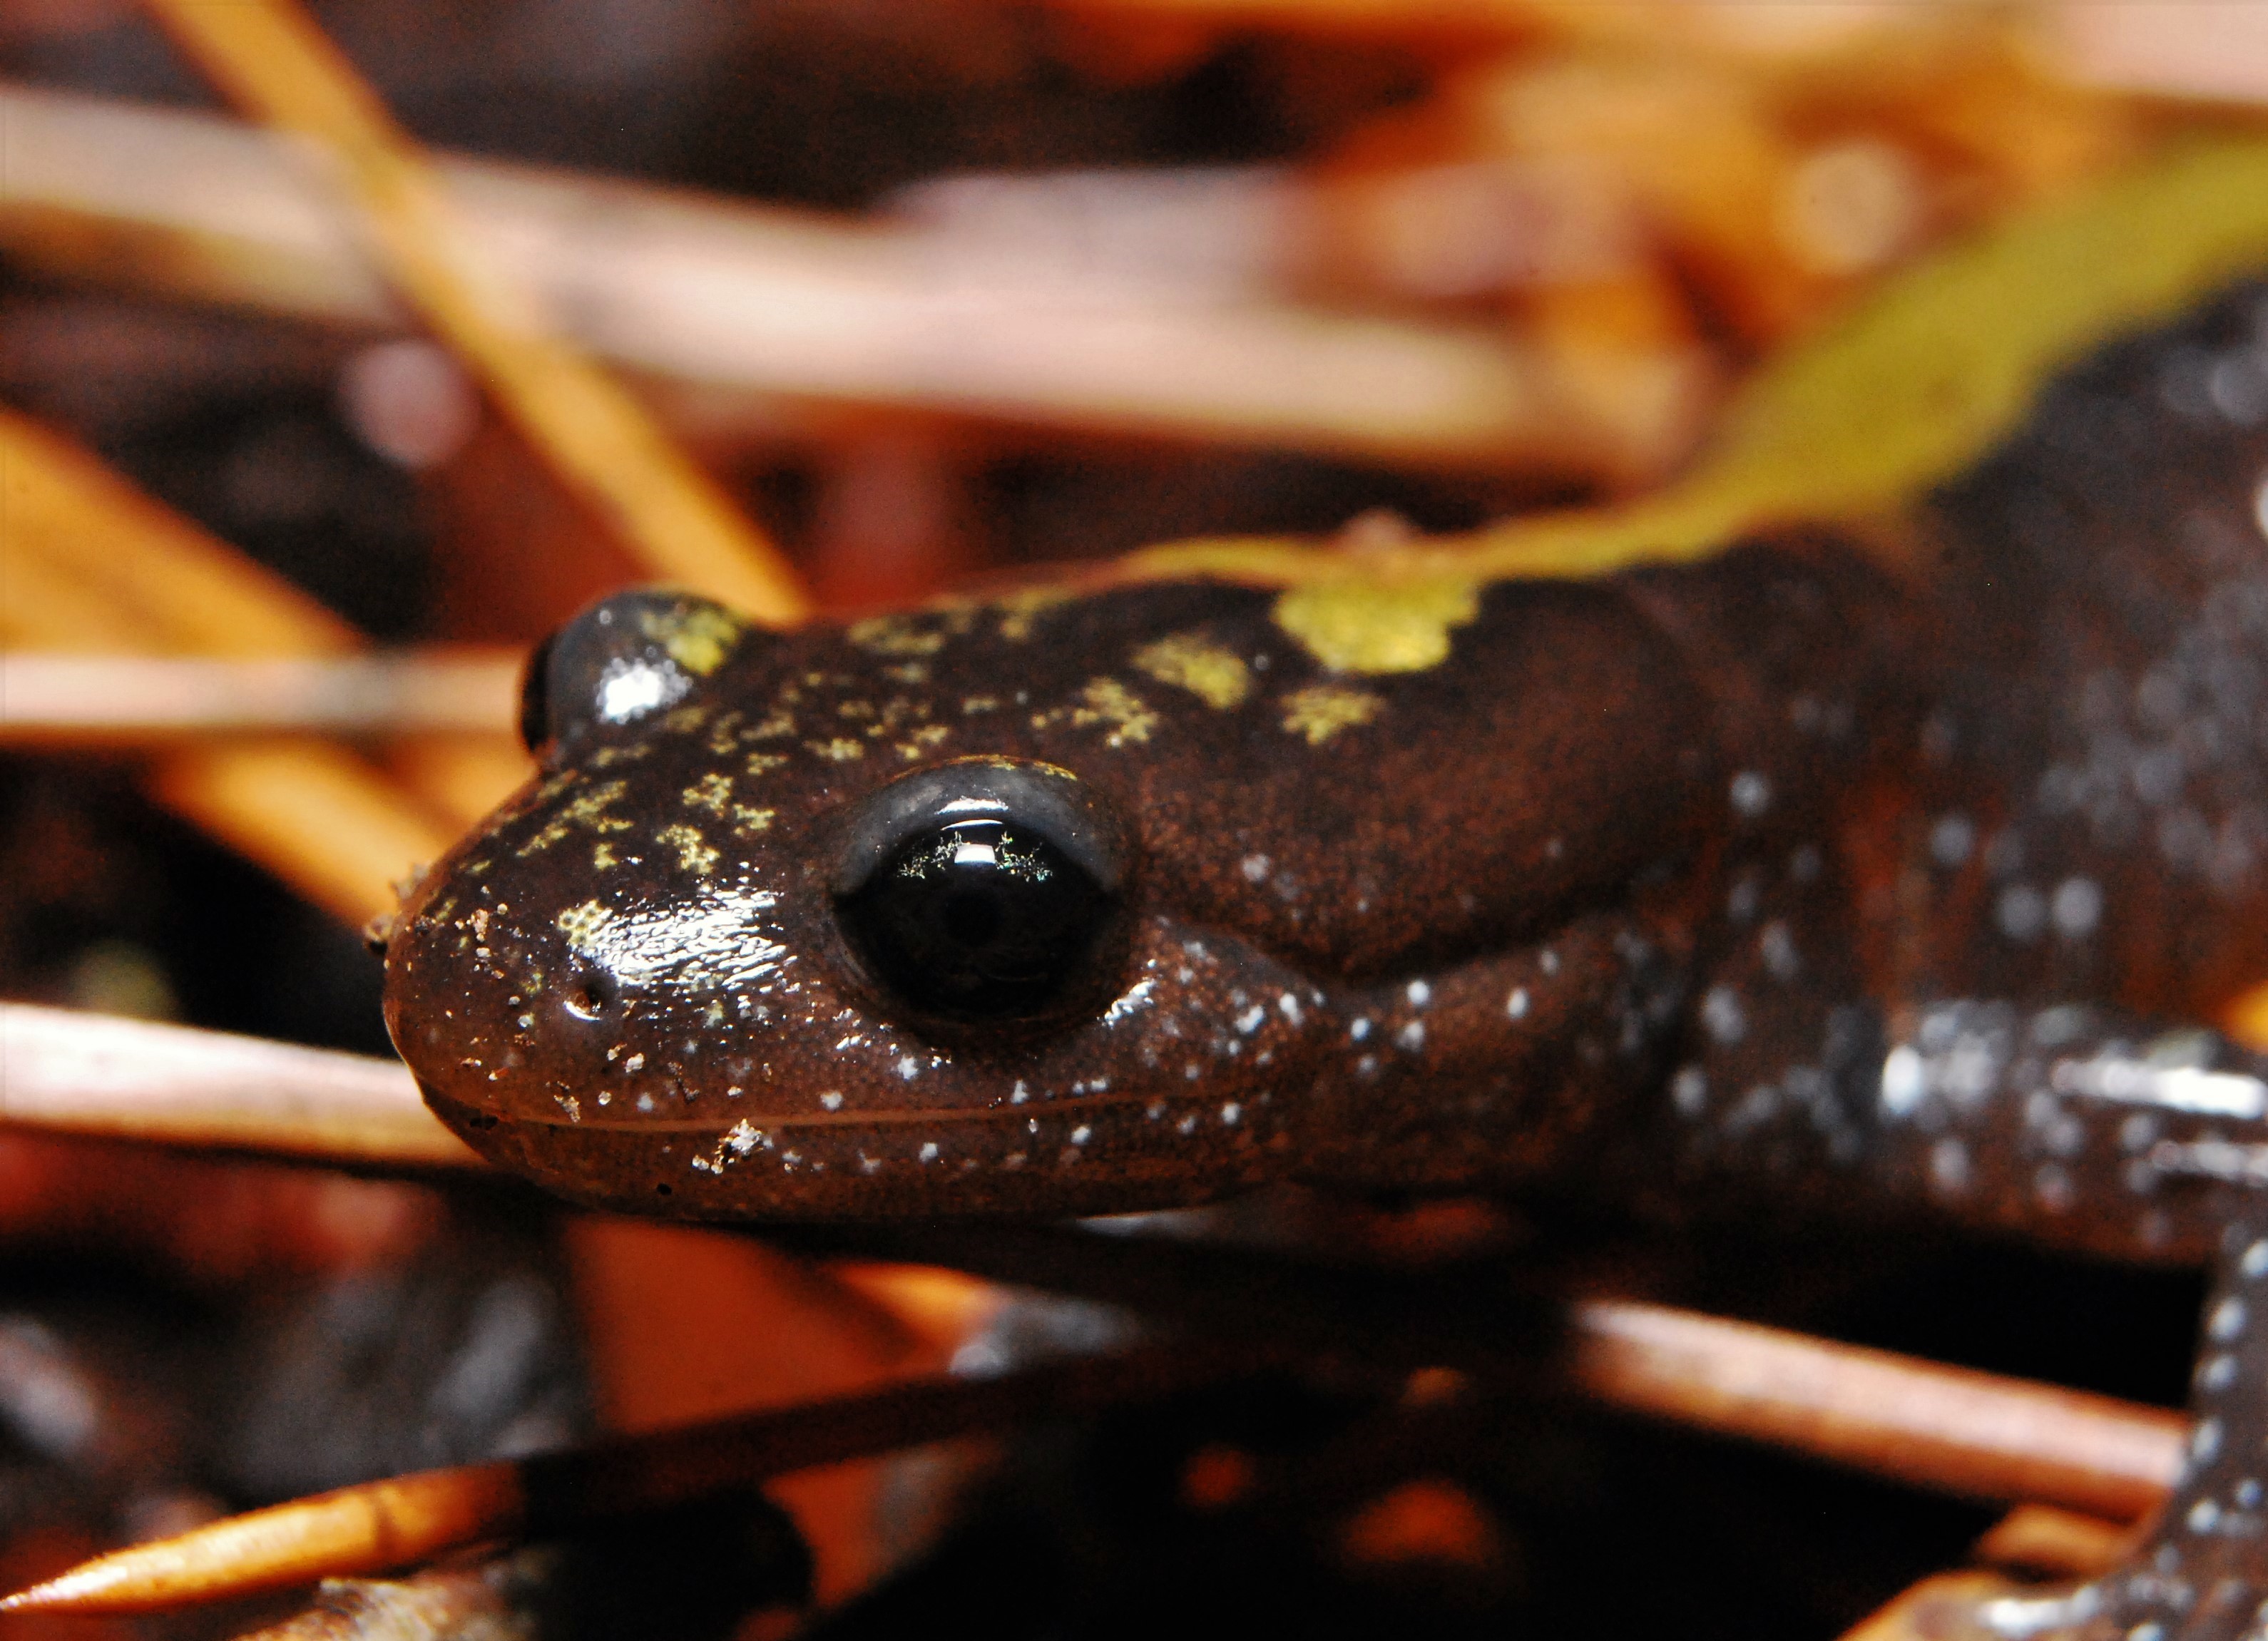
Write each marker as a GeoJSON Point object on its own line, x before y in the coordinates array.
{"type": "Point", "coordinates": [620, 660]}
{"type": "Point", "coordinates": [1051, 801]}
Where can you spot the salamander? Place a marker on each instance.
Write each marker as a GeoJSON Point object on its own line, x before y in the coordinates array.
{"type": "Point", "coordinates": [1885, 861]}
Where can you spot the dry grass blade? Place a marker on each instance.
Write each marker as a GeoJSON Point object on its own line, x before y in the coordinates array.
{"type": "Point", "coordinates": [127, 698]}
{"type": "Point", "coordinates": [91, 562]}
{"type": "Point", "coordinates": [741, 306]}
{"type": "Point", "coordinates": [270, 58]}
{"type": "Point", "coordinates": [133, 1080]}
{"type": "Point", "coordinates": [383, 1525]}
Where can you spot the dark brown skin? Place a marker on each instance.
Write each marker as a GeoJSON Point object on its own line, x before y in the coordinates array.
{"type": "Point", "coordinates": [1840, 872]}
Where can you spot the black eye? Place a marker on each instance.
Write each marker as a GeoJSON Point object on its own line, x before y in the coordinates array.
{"type": "Point", "coordinates": [982, 890]}
{"type": "Point", "coordinates": [623, 658]}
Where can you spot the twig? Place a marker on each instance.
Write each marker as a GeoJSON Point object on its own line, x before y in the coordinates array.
{"type": "Point", "coordinates": [1948, 1428]}
{"type": "Point", "coordinates": [151, 699]}
{"type": "Point", "coordinates": [1975, 1434]}
{"type": "Point", "coordinates": [98, 1074]}
{"type": "Point", "coordinates": [383, 1525]}
{"type": "Point", "coordinates": [269, 57]}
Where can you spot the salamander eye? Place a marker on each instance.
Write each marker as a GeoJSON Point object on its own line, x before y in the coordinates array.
{"type": "Point", "coordinates": [623, 657]}
{"type": "Point", "coordinates": [984, 890]}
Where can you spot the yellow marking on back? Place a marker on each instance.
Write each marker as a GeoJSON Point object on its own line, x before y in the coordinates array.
{"type": "Point", "coordinates": [1383, 625]}
{"type": "Point", "coordinates": [1021, 608]}
{"type": "Point", "coordinates": [1188, 661]}
{"type": "Point", "coordinates": [1915, 384]}
{"type": "Point", "coordinates": [835, 751]}
{"type": "Point", "coordinates": [1322, 710]}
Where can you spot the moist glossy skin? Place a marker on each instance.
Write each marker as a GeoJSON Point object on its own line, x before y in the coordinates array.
{"type": "Point", "coordinates": [1879, 874]}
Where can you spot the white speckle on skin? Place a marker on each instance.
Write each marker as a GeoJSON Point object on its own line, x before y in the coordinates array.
{"type": "Point", "coordinates": [1255, 868]}
{"type": "Point", "coordinates": [2226, 1323]}
{"type": "Point", "coordinates": [1080, 1135]}
{"type": "Point", "coordinates": [1018, 1093]}
{"type": "Point", "coordinates": [2021, 912]}
{"type": "Point", "coordinates": [1689, 1091]}
{"type": "Point", "coordinates": [2077, 908]}
{"type": "Point", "coordinates": [2217, 1372]}
{"type": "Point", "coordinates": [1515, 1006]}
{"type": "Point", "coordinates": [2254, 1262]}
{"type": "Point", "coordinates": [1903, 1083]}
{"type": "Point", "coordinates": [830, 1101]}
{"type": "Point", "coordinates": [2260, 505]}
{"type": "Point", "coordinates": [1777, 946]}
{"type": "Point", "coordinates": [1948, 1166]}
{"type": "Point", "coordinates": [1289, 1005]}
{"type": "Point", "coordinates": [1358, 1030]}
{"type": "Point", "coordinates": [1751, 794]}
{"type": "Point", "coordinates": [1250, 1020]}
{"type": "Point", "coordinates": [2052, 1188]}
{"type": "Point", "coordinates": [928, 1152]}
{"type": "Point", "coordinates": [1412, 1037]}
{"type": "Point", "coordinates": [1952, 841]}
{"type": "Point", "coordinates": [2205, 1442]}
{"type": "Point", "coordinates": [1232, 1114]}
{"type": "Point", "coordinates": [1420, 994]}
{"type": "Point", "coordinates": [908, 1068]}
{"type": "Point", "coordinates": [1722, 1014]}
{"type": "Point", "coordinates": [636, 1062]}
{"type": "Point", "coordinates": [1547, 961]}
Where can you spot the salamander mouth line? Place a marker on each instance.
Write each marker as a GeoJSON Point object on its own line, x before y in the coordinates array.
{"type": "Point", "coordinates": [933, 1117]}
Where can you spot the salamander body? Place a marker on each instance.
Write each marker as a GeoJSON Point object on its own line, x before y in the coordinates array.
{"type": "Point", "coordinates": [1882, 868]}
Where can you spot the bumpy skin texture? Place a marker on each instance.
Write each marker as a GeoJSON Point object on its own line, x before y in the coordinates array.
{"type": "Point", "coordinates": [1876, 873]}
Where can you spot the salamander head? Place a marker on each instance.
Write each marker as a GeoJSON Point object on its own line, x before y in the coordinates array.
{"type": "Point", "coordinates": [763, 939]}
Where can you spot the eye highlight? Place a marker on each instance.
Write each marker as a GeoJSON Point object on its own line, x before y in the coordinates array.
{"type": "Point", "coordinates": [982, 890]}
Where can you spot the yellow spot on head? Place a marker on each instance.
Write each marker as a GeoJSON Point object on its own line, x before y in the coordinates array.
{"type": "Point", "coordinates": [581, 923]}
{"type": "Point", "coordinates": [1378, 626]}
{"type": "Point", "coordinates": [698, 637]}
{"type": "Point", "coordinates": [1107, 701]}
{"type": "Point", "coordinates": [712, 792]}
{"type": "Point", "coordinates": [685, 720]}
{"type": "Point", "coordinates": [693, 851]}
{"type": "Point", "coordinates": [836, 751]}
{"type": "Point", "coordinates": [746, 819]}
{"type": "Point", "coordinates": [764, 762]}
{"type": "Point", "coordinates": [588, 811]}
{"type": "Point", "coordinates": [1216, 676]}
{"type": "Point", "coordinates": [920, 739]}
{"type": "Point", "coordinates": [1322, 710]}
{"type": "Point", "coordinates": [896, 635]}
{"type": "Point", "coordinates": [602, 856]}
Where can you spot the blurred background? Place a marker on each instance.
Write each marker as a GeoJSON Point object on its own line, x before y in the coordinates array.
{"type": "Point", "coordinates": [938, 292]}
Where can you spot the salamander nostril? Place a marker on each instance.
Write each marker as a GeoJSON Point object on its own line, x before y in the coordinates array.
{"type": "Point", "coordinates": [591, 997]}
